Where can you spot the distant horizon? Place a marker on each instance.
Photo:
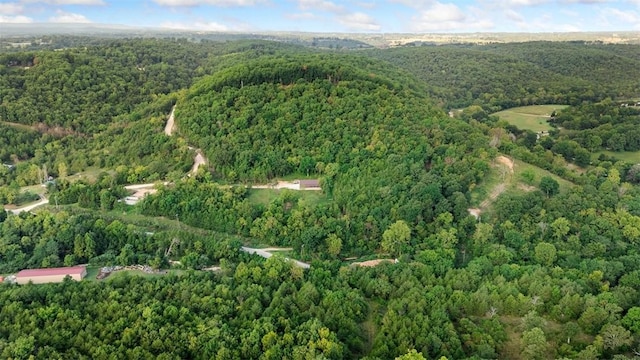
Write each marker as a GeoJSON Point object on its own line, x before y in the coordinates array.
{"type": "Point", "coordinates": [115, 26]}
{"type": "Point", "coordinates": [325, 16]}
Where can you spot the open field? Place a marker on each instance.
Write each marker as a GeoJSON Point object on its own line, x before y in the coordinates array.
{"type": "Point", "coordinates": [632, 157]}
{"type": "Point", "coordinates": [266, 196]}
{"type": "Point", "coordinates": [521, 166]}
{"type": "Point", "coordinates": [92, 272]}
{"type": "Point", "coordinates": [532, 117]}
{"type": "Point", "coordinates": [503, 178]}
{"type": "Point", "coordinates": [143, 274]}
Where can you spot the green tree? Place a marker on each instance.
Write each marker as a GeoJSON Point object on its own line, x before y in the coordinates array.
{"type": "Point", "coordinates": [615, 337]}
{"type": "Point", "coordinates": [549, 185]}
{"type": "Point", "coordinates": [534, 345]}
{"type": "Point", "coordinates": [411, 355]}
{"type": "Point", "coordinates": [632, 320]}
{"type": "Point", "coordinates": [396, 237]}
{"type": "Point", "coordinates": [334, 244]}
{"type": "Point", "coordinates": [560, 227]}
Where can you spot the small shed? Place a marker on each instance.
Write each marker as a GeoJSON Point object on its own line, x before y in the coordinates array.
{"type": "Point", "coordinates": [52, 275]}
{"type": "Point", "coordinates": [309, 184]}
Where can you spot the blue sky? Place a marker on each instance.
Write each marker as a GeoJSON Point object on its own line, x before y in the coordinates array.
{"type": "Point", "coordinates": [375, 16]}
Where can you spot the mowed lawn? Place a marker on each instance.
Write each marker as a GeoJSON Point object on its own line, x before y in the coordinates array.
{"type": "Point", "coordinates": [532, 117]}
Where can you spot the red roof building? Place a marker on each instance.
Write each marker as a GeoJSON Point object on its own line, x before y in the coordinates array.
{"type": "Point", "coordinates": [41, 276]}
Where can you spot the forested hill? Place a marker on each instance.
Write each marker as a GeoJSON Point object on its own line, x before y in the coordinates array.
{"type": "Point", "coordinates": [382, 152]}
{"type": "Point", "coordinates": [82, 89]}
{"type": "Point", "coordinates": [279, 115]}
{"type": "Point", "coordinates": [507, 75]}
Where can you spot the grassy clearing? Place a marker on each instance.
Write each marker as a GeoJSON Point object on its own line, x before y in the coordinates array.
{"type": "Point", "coordinates": [35, 189]}
{"type": "Point", "coordinates": [90, 174]}
{"type": "Point", "coordinates": [143, 274]}
{"type": "Point", "coordinates": [266, 196]}
{"type": "Point", "coordinates": [632, 157]}
{"type": "Point", "coordinates": [92, 272]}
{"type": "Point", "coordinates": [532, 117]}
{"type": "Point", "coordinates": [521, 167]}
{"type": "Point", "coordinates": [484, 188]}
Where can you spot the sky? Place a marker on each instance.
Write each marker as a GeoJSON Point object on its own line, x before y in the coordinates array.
{"type": "Point", "coordinates": [364, 16]}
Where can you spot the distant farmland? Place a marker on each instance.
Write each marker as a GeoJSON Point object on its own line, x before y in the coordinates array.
{"type": "Point", "coordinates": [532, 117]}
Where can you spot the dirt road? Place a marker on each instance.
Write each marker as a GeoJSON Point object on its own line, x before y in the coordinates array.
{"type": "Point", "coordinates": [30, 207]}
{"type": "Point", "coordinates": [497, 190]}
{"type": "Point", "coordinates": [284, 185]}
{"type": "Point", "coordinates": [171, 126]}
{"type": "Point", "coordinates": [266, 253]}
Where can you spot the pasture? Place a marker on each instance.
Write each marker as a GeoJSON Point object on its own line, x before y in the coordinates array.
{"type": "Point", "coordinates": [532, 117]}
{"type": "Point", "coordinates": [631, 157]}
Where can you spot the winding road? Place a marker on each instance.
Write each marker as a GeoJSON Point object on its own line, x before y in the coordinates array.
{"type": "Point", "coordinates": [27, 208]}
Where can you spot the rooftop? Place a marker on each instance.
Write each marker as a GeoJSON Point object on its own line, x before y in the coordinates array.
{"type": "Point", "coordinates": [51, 271]}
{"type": "Point", "coordinates": [310, 183]}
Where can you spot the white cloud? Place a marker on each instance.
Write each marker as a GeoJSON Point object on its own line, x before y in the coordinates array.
{"type": "Point", "coordinates": [568, 28]}
{"type": "Point", "coordinates": [514, 16]}
{"type": "Point", "coordinates": [18, 19]}
{"type": "Point", "coordinates": [586, 2]}
{"type": "Point", "coordinates": [196, 26]}
{"type": "Point", "coordinates": [67, 2]}
{"type": "Point", "coordinates": [359, 22]}
{"type": "Point", "coordinates": [320, 5]}
{"type": "Point", "coordinates": [447, 17]}
{"type": "Point", "coordinates": [366, 5]}
{"type": "Point", "coordinates": [440, 12]}
{"type": "Point", "coordinates": [66, 17]}
{"type": "Point", "coordinates": [618, 15]}
{"type": "Point", "coordinates": [301, 16]}
{"type": "Point", "coordinates": [512, 3]}
{"type": "Point", "coordinates": [416, 4]}
{"type": "Point", "coordinates": [223, 3]}
{"type": "Point", "coordinates": [10, 8]}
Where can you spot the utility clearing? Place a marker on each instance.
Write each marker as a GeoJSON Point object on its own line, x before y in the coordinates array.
{"type": "Point", "coordinates": [505, 166]}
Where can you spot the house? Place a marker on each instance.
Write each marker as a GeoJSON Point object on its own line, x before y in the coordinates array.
{"type": "Point", "coordinates": [309, 184]}
{"type": "Point", "coordinates": [52, 275]}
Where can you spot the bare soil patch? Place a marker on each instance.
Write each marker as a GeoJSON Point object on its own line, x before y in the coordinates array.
{"type": "Point", "coordinates": [506, 162]}
{"type": "Point", "coordinates": [170, 127]}
{"type": "Point", "coordinates": [372, 263]}
{"type": "Point", "coordinates": [198, 160]}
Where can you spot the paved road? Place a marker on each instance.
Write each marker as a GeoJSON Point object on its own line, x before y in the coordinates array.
{"type": "Point", "coordinates": [266, 254]}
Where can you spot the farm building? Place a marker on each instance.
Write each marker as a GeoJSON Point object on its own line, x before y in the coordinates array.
{"type": "Point", "coordinates": [309, 184]}
{"type": "Point", "coordinates": [41, 276]}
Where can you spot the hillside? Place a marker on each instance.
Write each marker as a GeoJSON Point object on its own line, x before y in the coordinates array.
{"type": "Point", "coordinates": [353, 127]}
{"type": "Point", "coordinates": [500, 76]}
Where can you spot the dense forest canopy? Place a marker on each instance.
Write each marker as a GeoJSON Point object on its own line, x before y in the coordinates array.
{"type": "Point", "coordinates": [547, 267]}
{"type": "Point", "coordinates": [500, 76]}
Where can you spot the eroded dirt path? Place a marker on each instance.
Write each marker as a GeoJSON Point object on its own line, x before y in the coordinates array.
{"type": "Point", "coordinates": [198, 160]}
{"type": "Point", "coordinates": [171, 125]}
{"type": "Point", "coordinates": [507, 165]}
